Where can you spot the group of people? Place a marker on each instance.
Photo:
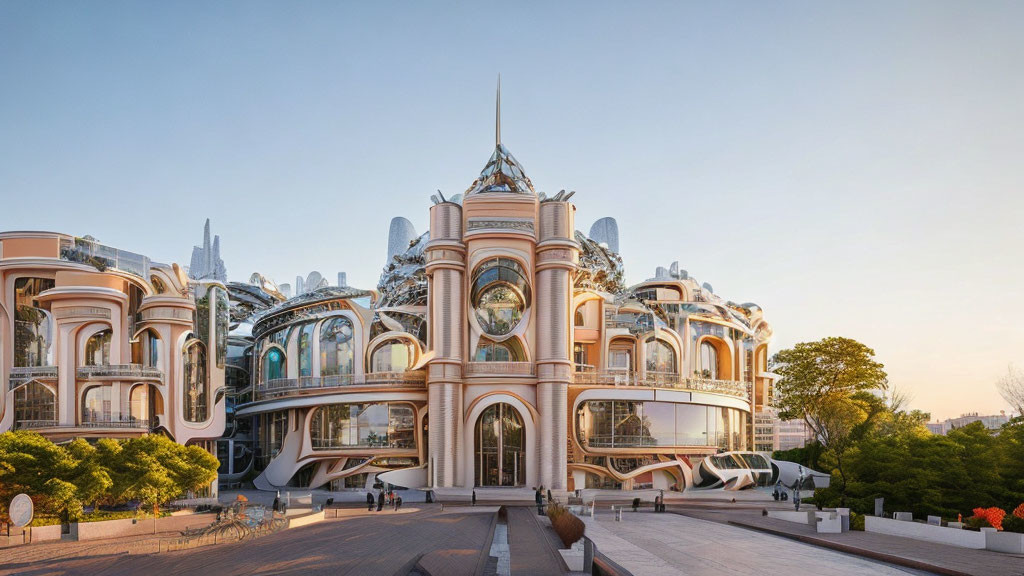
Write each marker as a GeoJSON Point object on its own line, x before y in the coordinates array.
{"type": "Point", "coordinates": [389, 497]}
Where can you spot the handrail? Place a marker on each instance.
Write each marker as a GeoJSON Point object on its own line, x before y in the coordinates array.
{"type": "Point", "coordinates": [283, 386]}
{"type": "Point", "coordinates": [20, 374]}
{"type": "Point", "coordinates": [663, 380]}
{"type": "Point", "coordinates": [119, 371]}
{"type": "Point", "coordinates": [133, 423]}
{"type": "Point", "coordinates": [499, 368]}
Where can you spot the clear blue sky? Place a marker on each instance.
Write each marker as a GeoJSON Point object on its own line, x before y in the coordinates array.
{"type": "Point", "coordinates": [854, 168]}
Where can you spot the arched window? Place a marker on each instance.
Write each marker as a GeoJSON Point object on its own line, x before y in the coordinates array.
{"type": "Point", "coordinates": [337, 353]}
{"type": "Point", "coordinates": [33, 325]}
{"type": "Point", "coordinates": [273, 364]}
{"type": "Point", "coordinates": [579, 317]}
{"type": "Point", "coordinates": [306, 350]}
{"type": "Point", "coordinates": [34, 406]}
{"type": "Point", "coordinates": [394, 355]}
{"type": "Point", "coordinates": [97, 348]}
{"type": "Point", "coordinates": [138, 404]}
{"type": "Point", "coordinates": [500, 440]}
{"type": "Point", "coordinates": [499, 295]}
{"type": "Point", "coordinates": [660, 357]}
{"type": "Point", "coordinates": [158, 285]}
{"type": "Point", "coordinates": [488, 351]}
{"type": "Point", "coordinates": [96, 405]}
{"type": "Point", "coordinates": [708, 360]}
{"type": "Point", "coordinates": [197, 386]}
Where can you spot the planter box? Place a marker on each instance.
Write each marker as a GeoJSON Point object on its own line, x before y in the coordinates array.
{"type": "Point", "coordinates": [44, 533]}
{"type": "Point", "coordinates": [794, 516]}
{"type": "Point", "coordinates": [574, 557]}
{"type": "Point", "coordinates": [1006, 542]}
{"type": "Point", "coordinates": [927, 532]}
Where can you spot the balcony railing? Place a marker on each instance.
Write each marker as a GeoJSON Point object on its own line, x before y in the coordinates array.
{"type": "Point", "coordinates": [663, 380]}
{"type": "Point", "coordinates": [103, 257]}
{"type": "Point", "coordinates": [20, 374]}
{"type": "Point", "coordinates": [285, 386]}
{"type": "Point", "coordinates": [130, 423]}
{"type": "Point", "coordinates": [499, 369]}
{"type": "Point", "coordinates": [120, 372]}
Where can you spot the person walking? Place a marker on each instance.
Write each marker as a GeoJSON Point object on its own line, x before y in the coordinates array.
{"type": "Point", "coordinates": [369, 501]}
{"type": "Point", "coordinates": [538, 497]}
{"type": "Point", "coordinates": [277, 502]}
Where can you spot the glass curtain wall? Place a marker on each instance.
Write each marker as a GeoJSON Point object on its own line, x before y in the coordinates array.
{"type": "Point", "coordinates": [197, 385]}
{"type": "Point", "coordinates": [34, 406]}
{"type": "Point", "coordinates": [337, 353]}
{"type": "Point", "coordinates": [633, 424]}
{"type": "Point", "coordinates": [381, 425]}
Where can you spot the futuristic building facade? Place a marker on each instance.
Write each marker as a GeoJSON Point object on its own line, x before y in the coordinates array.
{"type": "Point", "coordinates": [100, 342]}
{"type": "Point", "coordinates": [501, 348]}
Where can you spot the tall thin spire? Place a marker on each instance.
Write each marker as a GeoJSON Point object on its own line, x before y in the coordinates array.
{"type": "Point", "coordinates": [497, 117]}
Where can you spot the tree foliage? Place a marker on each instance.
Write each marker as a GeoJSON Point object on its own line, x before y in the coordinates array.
{"type": "Point", "coordinates": [151, 469]}
{"type": "Point", "coordinates": [1011, 388]}
{"type": "Point", "coordinates": [824, 383]}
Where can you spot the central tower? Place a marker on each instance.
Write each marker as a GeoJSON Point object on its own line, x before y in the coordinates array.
{"type": "Point", "coordinates": [500, 268]}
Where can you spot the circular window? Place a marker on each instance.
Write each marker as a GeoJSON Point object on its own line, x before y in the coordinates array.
{"type": "Point", "coordinates": [500, 295]}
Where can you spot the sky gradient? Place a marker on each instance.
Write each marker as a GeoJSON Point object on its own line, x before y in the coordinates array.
{"type": "Point", "coordinates": [853, 168]}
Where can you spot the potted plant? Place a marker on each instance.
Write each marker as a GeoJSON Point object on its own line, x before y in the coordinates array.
{"type": "Point", "coordinates": [570, 530]}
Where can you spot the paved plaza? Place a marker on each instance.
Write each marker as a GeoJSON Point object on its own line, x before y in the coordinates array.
{"type": "Point", "coordinates": [649, 544]}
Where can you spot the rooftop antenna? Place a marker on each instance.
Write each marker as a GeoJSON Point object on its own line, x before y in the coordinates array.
{"type": "Point", "coordinates": [497, 117]}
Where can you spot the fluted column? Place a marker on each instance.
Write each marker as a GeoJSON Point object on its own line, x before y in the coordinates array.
{"type": "Point", "coordinates": [557, 253]}
{"type": "Point", "coordinates": [446, 268]}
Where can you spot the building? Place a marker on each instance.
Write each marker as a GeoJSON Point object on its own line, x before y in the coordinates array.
{"type": "Point", "coordinates": [99, 342]}
{"type": "Point", "coordinates": [793, 434]}
{"type": "Point", "coordinates": [501, 348]}
{"type": "Point", "coordinates": [992, 422]}
{"type": "Point", "coordinates": [766, 431]}
{"type": "Point", "coordinates": [206, 263]}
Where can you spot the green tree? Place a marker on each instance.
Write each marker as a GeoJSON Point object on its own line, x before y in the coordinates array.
{"type": "Point", "coordinates": [29, 461]}
{"type": "Point", "coordinates": [89, 475]}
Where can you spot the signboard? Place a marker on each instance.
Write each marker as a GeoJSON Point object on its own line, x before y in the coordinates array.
{"type": "Point", "coordinates": [20, 510]}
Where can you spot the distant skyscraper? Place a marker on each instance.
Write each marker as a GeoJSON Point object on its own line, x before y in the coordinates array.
{"type": "Point", "coordinates": [399, 236]}
{"type": "Point", "coordinates": [606, 231]}
{"type": "Point", "coordinates": [342, 280]}
{"type": "Point", "coordinates": [206, 263]}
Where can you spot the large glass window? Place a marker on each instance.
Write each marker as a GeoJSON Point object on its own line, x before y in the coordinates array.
{"type": "Point", "coordinates": [222, 325]}
{"type": "Point", "coordinates": [500, 438]}
{"type": "Point", "coordinates": [394, 355]}
{"type": "Point", "coordinates": [631, 424]}
{"type": "Point", "coordinates": [337, 353]}
{"type": "Point", "coordinates": [272, 429]}
{"type": "Point", "coordinates": [507, 351]}
{"type": "Point", "coordinates": [34, 406]}
{"type": "Point", "coordinates": [32, 325]}
{"type": "Point", "coordinates": [499, 294]}
{"type": "Point", "coordinates": [197, 386]}
{"type": "Point", "coordinates": [273, 365]}
{"type": "Point", "coordinates": [380, 425]}
{"type": "Point", "coordinates": [661, 357]}
{"type": "Point", "coordinates": [306, 350]}
{"type": "Point", "coordinates": [97, 348]}
{"type": "Point", "coordinates": [709, 360]}
{"type": "Point", "coordinates": [96, 404]}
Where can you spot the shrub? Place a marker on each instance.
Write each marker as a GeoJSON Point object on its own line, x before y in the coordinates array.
{"type": "Point", "coordinates": [994, 516]}
{"type": "Point", "coordinates": [856, 521]}
{"type": "Point", "coordinates": [977, 523]}
{"type": "Point", "coordinates": [568, 527]}
{"type": "Point", "coordinates": [1013, 523]}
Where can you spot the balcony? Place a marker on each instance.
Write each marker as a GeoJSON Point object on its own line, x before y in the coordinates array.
{"type": "Point", "coordinates": [120, 372]}
{"type": "Point", "coordinates": [316, 384]}
{"type": "Point", "coordinates": [103, 257]}
{"type": "Point", "coordinates": [498, 369]}
{"type": "Point", "coordinates": [21, 374]}
{"type": "Point", "coordinates": [130, 423]}
{"type": "Point", "coordinates": [663, 380]}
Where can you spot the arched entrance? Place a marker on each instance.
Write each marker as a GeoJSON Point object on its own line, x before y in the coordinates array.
{"type": "Point", "coordinates": [500, 440]}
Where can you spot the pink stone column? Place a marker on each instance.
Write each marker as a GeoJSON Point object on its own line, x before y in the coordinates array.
{"type": "Point", "coordinates": [446, 269]}
{"type": "Point", "coordinates": [557, 254]}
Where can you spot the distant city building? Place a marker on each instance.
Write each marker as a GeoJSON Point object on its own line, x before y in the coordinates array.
{"type": "Point", "coordinates": [766, 432]}
{"type": "Point", "coordinates": [793, 434]}
{"type": "Point", "coordinates": [311, 283]}
{"type": "Point", "coordinates": [206, 263]}
{"type": "Point", "coordinates": [992, 422]}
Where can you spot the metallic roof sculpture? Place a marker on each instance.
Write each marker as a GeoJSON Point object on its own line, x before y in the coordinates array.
{"type": "Point", "coordinates": [503, 173]}
{"type": "Point", "coordinates": [400, 235]}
